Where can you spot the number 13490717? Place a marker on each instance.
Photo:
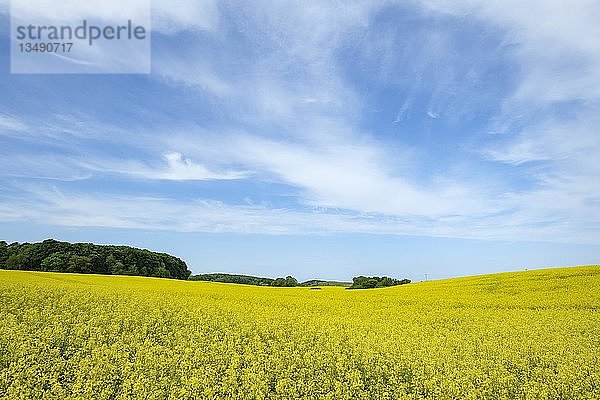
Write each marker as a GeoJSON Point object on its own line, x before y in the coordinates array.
{"type": "Point", "coordinates": [28, 47]}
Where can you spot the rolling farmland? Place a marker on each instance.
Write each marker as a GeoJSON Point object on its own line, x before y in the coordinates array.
{"type": "Point", "coordinates": [525, 335]}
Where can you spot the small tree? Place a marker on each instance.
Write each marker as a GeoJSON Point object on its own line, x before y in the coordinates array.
{"type": "Point", "coordinates": [278, 282]}
{"type": "Point", "coordinates": [290, 281]}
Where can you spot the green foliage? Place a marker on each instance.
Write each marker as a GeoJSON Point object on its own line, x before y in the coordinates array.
{"type": "Point", "coordinates": [231, 278]}
{"type": "Point", "coordinates": [162, 272]}
{"type": "Point", "coordinates": [55, 262]}
{"type": "Point", "coordinates": [319, 282]}
{"type": "Point", "coordinates": [3, 255]}
{"type": "Point", "coordinates": [360, 282]}
{"type": "Point", "coordinates": [52, 255]}
{"type": "Point", "coordinates": [15, 261]}
{"type": "Point", "coordinates": [288, 281]}
{"type": "Point", "coordinates": [364, 282]}
{"type": "Point", "coordinates": [78, 264]}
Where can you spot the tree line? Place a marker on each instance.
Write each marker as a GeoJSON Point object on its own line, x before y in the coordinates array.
{"type": "Point", "coordinates": [55, 256]}
{"type": "Point", "coordinates": [288, 281]}
{"type": "Point", "coordinates": [359, 282]}
{"type": "Point", "coordinates": [88, 258]}
{"type": "Point", "coordinates": [365, 282]}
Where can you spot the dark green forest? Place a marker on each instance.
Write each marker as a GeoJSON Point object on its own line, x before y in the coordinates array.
{"type": "Point", "coordinates": [365, 282]}
{"type": "Point", "coordinates": [319, 282]}
{"type": "Point", "coordinates": [288, 281]}
{"type": "Point", "coordinates": [89, 258]}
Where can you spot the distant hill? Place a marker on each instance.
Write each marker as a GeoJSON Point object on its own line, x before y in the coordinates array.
{"type": "Point", "coordinates": [288, 281]}
{"type": "Point", "coordinates": [55, 256]}
{"type": "Point", "coordinates": [318, 282]}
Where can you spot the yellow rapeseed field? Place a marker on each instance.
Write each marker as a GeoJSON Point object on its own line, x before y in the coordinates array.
{"type": "Point", "coordinates": [526, 335]}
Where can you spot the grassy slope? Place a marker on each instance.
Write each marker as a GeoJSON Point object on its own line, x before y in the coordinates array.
{"type": "Point", "coordinates": [532, 334]}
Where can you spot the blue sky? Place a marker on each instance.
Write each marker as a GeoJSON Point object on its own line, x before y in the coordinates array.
{"type": "Point", "coordinates": [322, 139]}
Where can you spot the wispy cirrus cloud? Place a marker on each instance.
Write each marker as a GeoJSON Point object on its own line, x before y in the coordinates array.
{"type": "Point", "coordinates": [49, 205]}
{"type": "Point", "coordinates": [175, 167]}
{"type": "Point", "coordinates": [353, 174]}
{"type": "Point", "coordinates": [11, 124]}
{"type": "Point", "coordinates": [358, 115]}
{"type": "Point", "coordinates": [546, 128]}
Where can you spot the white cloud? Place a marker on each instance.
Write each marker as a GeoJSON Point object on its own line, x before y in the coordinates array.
{"type": "Point", "coordinates": [566, 141]}
{"type": "Point", "coordinates": [168, 16]}
{"type": "Point", "coordinates": [296, 61]}
{"type": "Point", "coordinates": [53, 12]}
{"type": "Point", "coordinates": [171, 16]}
{"type": "Point", "coordinates": [177, 168]}
{"type": "Point", "coordinates": [184, 169]}
{"type": "Point", "coordinates": [51, 206]}
{"type": "Point", "coordinates": [353, 175]}
{"type": "Point", "coordinates": [46, 167]}
{"type": "Point", "coordinates": [8, 123]}
{"type": "Point", "coordinates": [555, 43]}
{"type": "Point", "coordinates": [173, 167]}
{"type": "Point", "coordinates": [334, 167]}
